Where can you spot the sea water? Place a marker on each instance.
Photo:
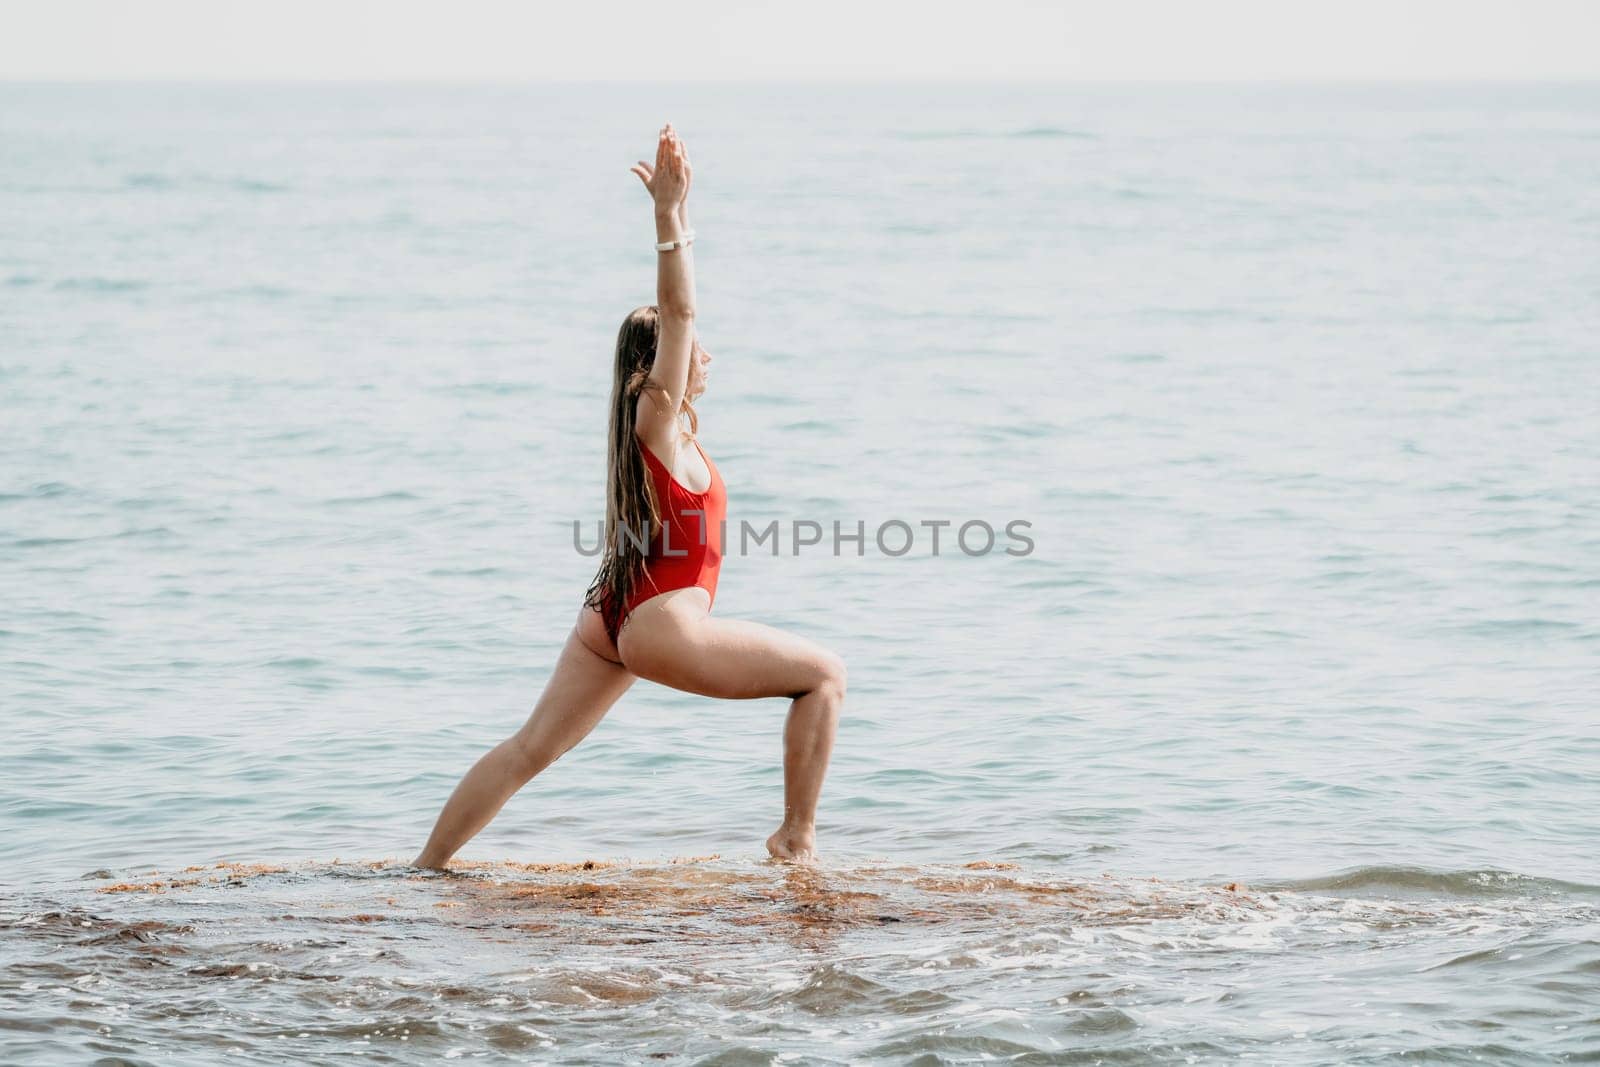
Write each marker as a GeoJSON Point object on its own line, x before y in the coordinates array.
{"type": "Point", "coordinates": [1276, 741]}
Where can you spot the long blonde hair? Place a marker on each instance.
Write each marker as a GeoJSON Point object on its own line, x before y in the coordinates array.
{"type": "Point", "coordinates": [631, 505]}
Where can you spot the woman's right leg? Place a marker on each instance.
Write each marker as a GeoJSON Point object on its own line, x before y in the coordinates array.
{"type": "Point", "coordinates": [585, 684]}
{"type": "Point", "coordinates": [674, 641]}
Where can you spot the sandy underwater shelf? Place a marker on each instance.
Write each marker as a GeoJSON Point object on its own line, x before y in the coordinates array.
{"type": "Point", "coordinates": [694, 896]}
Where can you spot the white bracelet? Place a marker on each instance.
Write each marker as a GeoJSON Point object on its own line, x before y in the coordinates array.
{"type": "Point", "coordinates": [668, 246]}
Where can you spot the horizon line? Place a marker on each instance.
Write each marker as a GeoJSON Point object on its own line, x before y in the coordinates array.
{"type": "Point", "coordinates": [1327, 80]}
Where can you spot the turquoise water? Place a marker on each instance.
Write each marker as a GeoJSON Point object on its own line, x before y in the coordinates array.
{"type": "Point", "coordinates": [1280, 744]}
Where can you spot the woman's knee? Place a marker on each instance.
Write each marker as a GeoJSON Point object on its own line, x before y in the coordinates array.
{"type": "Point", "coordinates": [833, 678]}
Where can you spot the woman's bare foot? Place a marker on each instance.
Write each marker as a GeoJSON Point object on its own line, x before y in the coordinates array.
{"type": "Point", "coordinates": [793, 846]}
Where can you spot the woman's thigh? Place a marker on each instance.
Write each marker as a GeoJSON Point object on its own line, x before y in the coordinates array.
{"type": "Point", "coordinates": [731, 659]}
{"type": "Point", "coordinates": [581, 689]}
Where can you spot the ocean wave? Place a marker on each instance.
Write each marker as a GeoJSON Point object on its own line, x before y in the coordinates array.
{"type": "Point", "coordinates": [1025, 133]}
{"type": "Point", "coordinates": [376, 498]}
{"type": "Point", "coordinates": [161, 181]}
{"type": "Point", "coordinates": [94, 284]}
{"type": "Point", "coordinates": [1480, 882]}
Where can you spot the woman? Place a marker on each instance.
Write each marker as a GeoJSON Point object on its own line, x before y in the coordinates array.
{"type": "Point", "coordinates": [648, 612]}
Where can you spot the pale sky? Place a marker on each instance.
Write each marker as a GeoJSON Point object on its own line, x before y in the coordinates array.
{"type": "Point", "coordinates": [819, 40]}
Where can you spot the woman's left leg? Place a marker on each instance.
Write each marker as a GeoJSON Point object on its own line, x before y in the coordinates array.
{"type": "Point", "coordinates": [582, 688]}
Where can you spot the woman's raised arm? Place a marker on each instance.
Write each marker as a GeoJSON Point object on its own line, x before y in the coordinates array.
{"type": "Point", "coordinates": [656, 418]}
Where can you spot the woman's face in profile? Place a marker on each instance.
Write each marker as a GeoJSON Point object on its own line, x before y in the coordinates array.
{"type": "Point", "coordinates": [698, 372]}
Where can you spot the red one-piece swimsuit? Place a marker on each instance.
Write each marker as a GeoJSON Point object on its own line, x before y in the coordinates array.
{"type": "Point", "coordinates": [688, 548]}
